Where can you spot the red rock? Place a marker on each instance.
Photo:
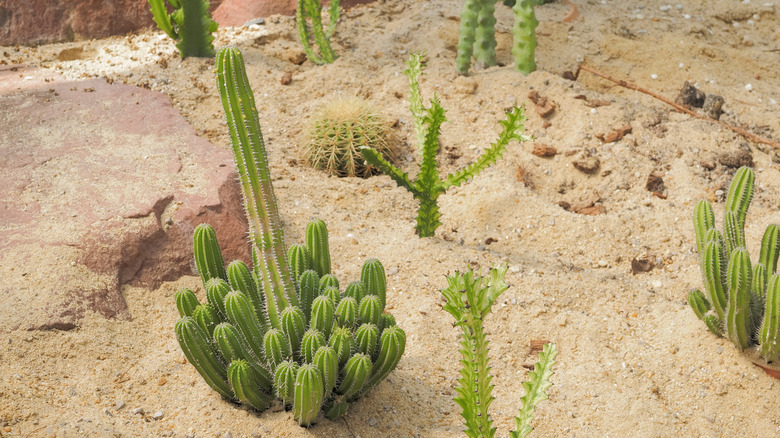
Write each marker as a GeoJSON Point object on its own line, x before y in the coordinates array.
{"type": "Point", "coordinates": [100, 189]}
{"type": "Point", "coordinates": [238, 12]}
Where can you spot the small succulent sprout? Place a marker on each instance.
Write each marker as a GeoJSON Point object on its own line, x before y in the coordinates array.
{"type": "Point", "coordinates": [769, 333]}
{"type": "Point", "coordinates": [216, 291]}
{"type": "Point", "coordinates": [317, 243]}
{"type": "Point", "coordinates": [284, 381]}
{"type": "Point", "coordinates": [312, 340]}
{"type": "Point", "coordinates": [309, 287]}
{"type": "Point", "coordinates": [241, 279]}
{"type": "Point", "coordinates": [322, 312]}
{"type": "Point", "coordinates": [207, 318]}
{"type": "Point", "coordinates": [327, 362]}
{"type": "Point", "coordinates": [308, 394]}
{"type": "Point", "coordinates": [346, 312]}
{"type": "Point", "coordinates": [208, 256]}
{"type": "Point", "coordinates": [366, 338]}
{"type": "Point", "coordinates": [332, 292]}
{"type": "Point", "coordinates": [338, 131]}
{"type": "Point", "coordinates": [701, 307]}
{"type": "Point", "coordinates": [241, 313]}
{"type": "Point", "coordinates": [356, 290]}
{"type": "Point", "coordinates": [391, 347]}
{"type": "Point", "coordinates": [328, 280]}
{"type": "Point", "coordinates": [293, 326]}
{"type": "Point", "coordinates": [299, 259]}
{"type": "Point", "coordinates": [373, 276]}
{"type": "Point", "coordinates": [385, 320]}
{"type": "Point", "coordinates": [356, 373]}
{"type": "Point", "coordinates": [186, 302]}
{"type": "Point", "coordinates": [276, 347]}
{"type": "Point", "coordinates": [343, 343]}
{"type": "Point", "coordinates": [370, 309]}
{"type": "Point", "coordinates": [200, 353]}
{"type": "Point", "coordinates": [246, 385]}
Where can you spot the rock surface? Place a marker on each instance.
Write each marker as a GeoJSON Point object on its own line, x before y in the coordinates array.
{"type": "Point", "coordinates": [238, 12]}
{"type": "Point", "coordinates": [100, 185]}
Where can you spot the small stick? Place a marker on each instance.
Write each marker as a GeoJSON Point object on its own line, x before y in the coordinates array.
{"type": "Point", "coordinates": [573, 12]}
{"type": "Point", "coordinates": [743, 132]}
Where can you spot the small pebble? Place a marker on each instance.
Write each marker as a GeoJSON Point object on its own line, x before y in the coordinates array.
{"type": "Point", "coordinates": [138, 411]}
{"type": "Point", "coordinates": [653, 76]}
{"type": "Point", "coordinates": [748, 87]}
{"type": "Point", "coordinates": [157, 415]}
{"type": "Point", "coordinates": [657, 284]}
{"type": "Point", "coordinates": [603, 263]}
{"type": "Point", "coordinates": [372, 421]}
{"type": "Point", "coordinates": [681, 65]}
{"type": "Point", "coordinates": [119, 404]}
{"type": "Point", "coordinates": [687, 16]}
{"type": "Point", "coordinates": [228, 434]}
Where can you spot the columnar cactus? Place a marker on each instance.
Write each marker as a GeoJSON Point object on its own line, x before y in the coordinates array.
{"type": "Point", "coordinates": [741, 300]}
{"type": "Point", "coordinates": [190, 24]}
{"type": "Point", "coordinates": [263, 333]}
{"type": "Point", "coordinates": [524, 32]}
{"type": "Point", "coordinates": [311, 10]}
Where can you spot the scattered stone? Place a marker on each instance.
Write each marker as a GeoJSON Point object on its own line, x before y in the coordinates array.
{"type": "Point", "coordinates": [713, 106]}
{"type": "Point", "coordinates": [537, 345]}
{"type": "Point", "coordinates": [655, 183]}
{"type": "Point", "coordinates": [119, 404]}
{"type": "Point", "coordinates": [157, 415]}
{"type": "Point", "coordinates": [642, 264]}
{"type": "Point", "coordinates": [736, 159]}
{"type": "Point", "coordinates": [286, 78]}
{"type": "Point", "coordinates": [708, 164]}
{"type": "Point", "coordinates": [588, 206]}
{"type": "Point", "coordinates": [296, 56]}
{"type": "Point", "coordinates": [255, 22]}
{"type": "Point", "coordinates": [690, 96]}
{"type": "Point", "coordinates": [138, 411]}
{"type": "Point", "coordinates": [543, 150]}
{"type": "Point", "coordinates": [586, 162]}
{"type": "Point", "coordinates": [544, 107]}
{"type": "Point", "coordinates": [162, 381]}
{"type": "Point", "coordinates": [615, 135]}
{"type": "Point", "coordinates": [465, 85]}
{"type": "Point", "coordinates": [372, 422]}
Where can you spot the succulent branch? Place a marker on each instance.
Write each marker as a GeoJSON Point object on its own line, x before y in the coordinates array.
{"type": "Point", "coordinates": [428, 185]}
{"type": "Point", "coordinates": [741, 301]}
{"type": "Point", "coordinates": [311, 10]}
{"type": "Point", "coordinates": [470, 299]}
{"type": "Point", "coordinates": [190, 24]}
{"type": "Point", "coordinates": [264, 334]}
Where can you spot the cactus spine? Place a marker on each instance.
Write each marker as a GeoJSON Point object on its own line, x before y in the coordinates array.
{"type": "Point", "coordinates": [741, 301]}
{"type": "Point", "coordinates": [312, 10]}
{"type": "Point", "coordinates": [263, 332]}
{"type": "Point", "coordinates": [190, 24]}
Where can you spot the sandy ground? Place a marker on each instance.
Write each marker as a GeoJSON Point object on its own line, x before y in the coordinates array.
{"type": "Point", "coordinates": [634, 360]}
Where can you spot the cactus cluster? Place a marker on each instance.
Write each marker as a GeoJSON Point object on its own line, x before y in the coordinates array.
{"type": "Point", "coordinates": [284, 329]}
{"type": "Point", "coordinates": [428, 185]}
{"type": "Point", "coordinates": [742, 300]}
{"type": "Point", "coordinates": [477, 34]}
{"type": "Point", "coordinates": [308, 17]}
{"type": "Point", "coordinates": [470, 299]}
{"type": "Point", "coordinates": [190, 24]}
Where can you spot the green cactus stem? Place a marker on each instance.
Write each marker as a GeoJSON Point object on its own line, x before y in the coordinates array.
{"type": "Point", "coordinates": [524, 32]}
{"type": "Point", "coordinates": [276, 347]}
{"type": "Point", "coordinates": [186, 302]}
{"type": "Point", "coordinates": [232, 346]}
{"type": "Point", "coordinates": [332, 293]}
{"type": "Point", "coordinates": [208, 256]}
{"type": "Point", "coordinates": [372, 275]}
{"type": "Point", "coordinates": [391, 347]}
{"type": "Point", "coordinates": [241, 279]}
{"type": "Point", "coordinates": [308, 394]}
{"type": "Point", "coordinates": [356, 290]}
{"type": "Point", "coordinates": [284, 381]}
{"type": "Point", "coordinates": [770, 248]}
{"type": "Point", "coordinates": [738, 308]}
{"type": "Point", "coordinates": [327, 362]}
{"type": "Point", "coordinates": [300, 260]}
{"type": "Point", "coordinates": [535, 390]}
{"type": "Point", "coordinates": [309, 289]}
{"type": "Point", "coordinates": [293, 326]}
{"type": "Point", "coordinates": [485, 35]}
{"type": "Point", "coordinates": [343, 343]}
{"type": "Point", "coordinates": [242, 315]}
{"type": "Point", "coordinates": [207, 318]}
{"type": "Point", "coordinates": [428, 185]}
{"type": "Point", "coordinates": [317, 244]}
{"type": "Point", "coordinates": [469, 19]}
{"type": "Point", "coordinates": [769, 333]}
{"type": "Point", "coordinates": [190, 24]}
{"type": "Point", "coordinates": [369, 310]}
{"type": "Point", "coordinates": [246, 385]}
{"type": "Point", "coordinates": [366, 338]}
{"type": "Point", "coordinates": [200, 353]}
{"type": "Point", "coordinates": [312, 340]}
{"type": "Point", "coordinates": [322, 311]}
{"type": "Point", "coordinates": [216, 291]}
{"type": "Point", "coordinates": [715, 283]}
{"type": "Point", "coordinates": [328, 280]}
{"type": "Point", "coordinates": [311, 10]}
{"type": "Point", "coordinates": [356, 373]}
{"type": "Point", "coordinates": [346, 312]}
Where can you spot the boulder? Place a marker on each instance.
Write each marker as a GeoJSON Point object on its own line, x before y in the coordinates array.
{"type": "Point", "coordinates": [238, 12]}
{"type": "Point", "coordinates": [100, 185]}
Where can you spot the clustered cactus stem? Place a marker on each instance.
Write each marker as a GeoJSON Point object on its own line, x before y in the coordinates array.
{"type": "Point", "coordinates": [428, 185]}
{"type": "Point", "coordinates": [742, 301]}
{"type": "Point", "coordinates": [477, 34]}
{"type": "Point", "coordinates": [470, 299]}
{"type": "Point", "coordinates": [311, 10]}
{"type": "Point", "coordinates": [190, 24]}
{"type": "Point", "coordinates": [283, 330]}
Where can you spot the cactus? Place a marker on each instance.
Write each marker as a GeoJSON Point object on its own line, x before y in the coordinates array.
{"type": "Point", "coordinates": [311, 10]}
{"type": "Point", "coordinates": [190, 24]}
{"type": "Point", "coordinates": [264, 332]}
{"type": "Point", "coordinates": [470, 299]}
{"type": "Point", "coordinates": [477, 34]}
{"type": "Point", "coordinates": [428, 186]}
{"type": "Point", "coordinates": [741, 301]}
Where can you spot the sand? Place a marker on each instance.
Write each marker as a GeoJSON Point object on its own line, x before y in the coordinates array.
{"type": "Point", "coordinates": [634, 360]}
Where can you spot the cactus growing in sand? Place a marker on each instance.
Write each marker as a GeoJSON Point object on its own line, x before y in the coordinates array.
{"type": "Point", "coordinates": [264, 334]}
{"type": "Point", "coordinates": [428, 185]}
{"type": "Point", "coordinates": [311, 10]}
{"type": "Point", "coordinates": [470, 299]}
{"type": "Point", "coordinates": [190, 24]}
{"type": "Point", "coordinates": [742, 301]}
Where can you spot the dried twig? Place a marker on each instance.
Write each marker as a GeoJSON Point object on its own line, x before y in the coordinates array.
{"type": "Point", "coordinates": [743, 132]}
{"type": "Point", "coordinates": [573, 12]}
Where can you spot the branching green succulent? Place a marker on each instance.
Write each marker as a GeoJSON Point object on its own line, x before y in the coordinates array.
{"type": "Point", "coordinates": [477, 34]}
{"type": "Point", "coordinates": [428, 185]}
{"type": "Point", "coordinates": [282, 330]}
{"type": "Point", "coordinates": [311, 10]}
{"type": "Point", "coordinates": [742, 301]}
{"type": "Point", "coordinates": [190, 24]}
{"type": "Point", "coordinates": [470, 299]}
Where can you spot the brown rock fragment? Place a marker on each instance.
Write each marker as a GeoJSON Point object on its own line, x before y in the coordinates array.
{"type": "Point", "coordinates": [464, 85]}
{"type": "Point", "coordinates": [295, 56]}
{"type": "Point", "coordinates": [543, 150]}
{"type": "Point", "coordinates": [615, 135]}
{"type": "Point", "coordinates": [544, 107]}
{"type": "Point", "coordinates": [713, 106]}
{"type": "Point", "coordinates": [586, 162]}
{"type": "Point", "coordinates": [736, 159]}
{"type": "Point", "coordinates": [690, 96]}
{"type": "Point", "coordinates": [286, 78]}
{"type": "Point", "coordinates": [642, 264]}
{"type": "Point", "coordinates": [655, 183]}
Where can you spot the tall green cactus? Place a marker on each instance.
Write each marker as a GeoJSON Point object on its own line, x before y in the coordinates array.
{"type": "Point", "coordinates": [428, 185]}
{"type": "Point", "coordinates": [190, 23]}
{"type": "Point", "coordinates": [741, 299]}
{"type": "Point", "coordinates": [264, 333]}
{"type": "Point", "coordinates": [311, 10]}
{"type": "Point", "coordinates": [470, 299]}
{"type": "Point", "coordinates": [524, 32]}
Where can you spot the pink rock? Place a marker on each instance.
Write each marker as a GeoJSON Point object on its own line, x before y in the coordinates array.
{"type": "Point", "coordinates": [238, 12]}
{"type": "Point", "coordinates": [101, 185]}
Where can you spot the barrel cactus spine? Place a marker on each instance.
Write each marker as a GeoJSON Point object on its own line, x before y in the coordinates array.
{"type": "Point", "coordinates": [740, 301]}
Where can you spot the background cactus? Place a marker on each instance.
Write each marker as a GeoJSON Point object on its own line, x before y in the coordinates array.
{"type": "Point", "coordinates": [288, 342]}
{"type": "Point", "coordinates": [741, 300]}
{"type": "Point", "coordinates": [311, 10]}
{"type": "Point", "coordinates": [428, 185]}
{"type": "Point", "coordinates": [190, 24]}
{"type": "Point", "coordinates": [470, 299]}
{"type": "Point", "coordinates": [339, 129]}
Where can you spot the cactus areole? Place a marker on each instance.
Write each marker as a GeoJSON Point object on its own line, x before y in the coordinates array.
{"type": "Point", "coordinates": [282, 330]}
